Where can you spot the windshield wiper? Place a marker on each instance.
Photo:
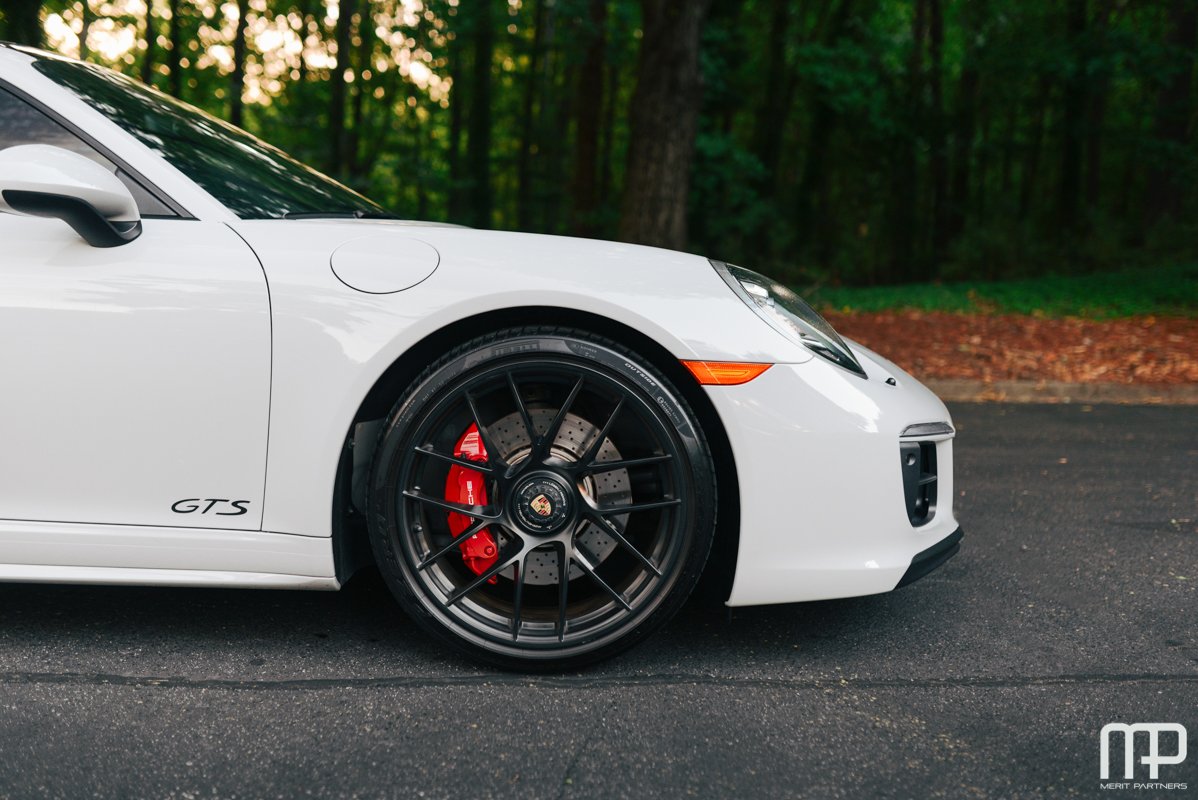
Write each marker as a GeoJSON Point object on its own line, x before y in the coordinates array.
{"type": "Point", "coordinates": [359, 214]}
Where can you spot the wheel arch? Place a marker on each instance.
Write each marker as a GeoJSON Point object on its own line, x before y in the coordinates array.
{"type": "Point", "coordinates": [351, 548]}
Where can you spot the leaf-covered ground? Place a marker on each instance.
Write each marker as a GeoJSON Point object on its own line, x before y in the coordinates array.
{"type": "Point", "coordinates": [1142, 350]}
{"type": "Point", "coordinates": [1168, 290]}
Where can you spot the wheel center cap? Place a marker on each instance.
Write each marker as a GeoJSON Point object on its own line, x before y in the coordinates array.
{"type": "Point", "coordinates": [542, 504]}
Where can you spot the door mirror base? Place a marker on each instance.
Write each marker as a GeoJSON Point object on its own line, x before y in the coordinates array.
{"type": "Point", "coordinates": [81, 215]}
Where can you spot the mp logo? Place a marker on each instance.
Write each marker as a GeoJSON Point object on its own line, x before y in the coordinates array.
{"type": "Point", "coordinates": [1153, 758]}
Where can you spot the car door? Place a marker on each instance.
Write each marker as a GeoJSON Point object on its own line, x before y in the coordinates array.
{"type": "Point", "coordinates": [134, 380]}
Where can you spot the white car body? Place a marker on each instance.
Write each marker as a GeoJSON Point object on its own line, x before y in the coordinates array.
{"type": "Point", "coordinates": [218, 359]}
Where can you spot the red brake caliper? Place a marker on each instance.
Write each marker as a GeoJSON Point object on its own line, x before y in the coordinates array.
{"type": "Point", "coordinates": [467, 486]}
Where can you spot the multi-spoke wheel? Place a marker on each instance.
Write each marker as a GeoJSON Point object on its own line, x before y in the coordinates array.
{"type": "Point", "coordinates": [542, 499]}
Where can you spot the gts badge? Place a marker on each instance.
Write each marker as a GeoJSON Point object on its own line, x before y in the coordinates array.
{"type": "Point", "coordinates": [217, 506]}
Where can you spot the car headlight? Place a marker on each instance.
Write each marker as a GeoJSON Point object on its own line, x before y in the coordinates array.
{"type": "Point", "coordinates": [789, 314]}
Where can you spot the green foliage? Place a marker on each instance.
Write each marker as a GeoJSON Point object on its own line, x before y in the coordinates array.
{"type": "Point", "coordinates": [725, 170]}
{"type": "Point", "coordinates": [1164, 291]}
{"type": "Point", "coordinates": [841, 142]}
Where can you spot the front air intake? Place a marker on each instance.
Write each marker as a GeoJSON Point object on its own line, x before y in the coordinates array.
{"type": "Point", "coordinates": [919, 480]}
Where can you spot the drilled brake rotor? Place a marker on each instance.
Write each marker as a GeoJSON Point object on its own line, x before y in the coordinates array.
{"type": "Point", "coordinates": [606, 489]}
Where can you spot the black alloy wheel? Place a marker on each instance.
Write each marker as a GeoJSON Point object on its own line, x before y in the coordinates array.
{"type": "Point", "coordinates": [594, 499]}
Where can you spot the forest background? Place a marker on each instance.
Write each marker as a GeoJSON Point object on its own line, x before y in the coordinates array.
{"type": "Point", "coordinates": [830, 141]}
{"type": "Point", "coordinates": [1030, 156]}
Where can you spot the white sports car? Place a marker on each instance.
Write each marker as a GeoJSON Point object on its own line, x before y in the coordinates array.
{"type": "Point", "coordinates": [222, 368]}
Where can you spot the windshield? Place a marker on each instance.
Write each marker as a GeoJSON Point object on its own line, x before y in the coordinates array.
{"type": "Point", "coordinates": [252, 178]}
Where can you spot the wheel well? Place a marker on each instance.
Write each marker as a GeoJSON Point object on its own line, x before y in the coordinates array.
{"type": "Point", "coordinates": [350, 544]}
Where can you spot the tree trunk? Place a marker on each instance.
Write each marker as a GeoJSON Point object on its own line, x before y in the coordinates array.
{"type": "Point", "coordinates": [24, 22]}
{"type": "Point", "coordinates": [174, 34]}
{"type": "Point", "coordinates": [978, 181]}
{"type": "Point", "coordinates": [610, 97]}
{"type": "Point", "coordinates": [1096, 112]}
{"type": "Point", "coordinates": [1174, 108]}
{"type": "Point", "coordinates": [85, 29]}
{"type": "Point", "coordinates": [589, 103]}
{"type": "Point", "coordinates": [527, 122]}
{"type": "Point", "coordinates": [237, 76]}
{"type": "Point", "coordinates": [958, 207]}
{"type": "Point", "coordinates": [552, 117]}
{"type": "Point", "coordinates": [418, 133]}
{"type": "Point", "coordinates": [663, 121]}
{"type": "Point", "coordinates": [966, 123]}
{"type": "Point", "coordinates": [939, 159]}
{"type": "Point", "coordinates": [1031, 166]}
{"type": "Point", "coordinates": [456, 210]}
{"type": "Point", "coordinates": [771, 115]}
{"type": "Point", "coordinates": [305, 17]}
{"type": "Point", "coordinates": [1010, 127]}
{"type": "Point", "coordinates": [478, 144]}
{"type": "Point", "coordinates": [1095, 121]}
{"type": "Point", "coordinates": [1073, 120]}
{"type": "Point", "coordinates": [354, 162]}
{"type": "Point", "coordinates": [147, 59]}
{"type": "Point", "coordinates": [905, 195]}
{"type": "Point", "coordinates": [343, 36]}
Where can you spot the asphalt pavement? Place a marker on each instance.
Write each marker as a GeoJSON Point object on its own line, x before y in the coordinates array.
{"type": "Point", "coordinates": [1072, 604]}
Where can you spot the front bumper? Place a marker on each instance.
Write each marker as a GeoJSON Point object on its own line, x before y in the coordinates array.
{"type": "Point", "coordinates": [824, 511]}
{"type": "Point", "coordinates": [928, 560]}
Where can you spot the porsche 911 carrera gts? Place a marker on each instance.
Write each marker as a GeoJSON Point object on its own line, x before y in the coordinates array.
{"type": "Point", "coordinates": [222, 368]}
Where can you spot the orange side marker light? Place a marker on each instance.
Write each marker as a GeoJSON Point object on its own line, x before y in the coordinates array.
{"type": "Point", "coordinates": [724, 373]}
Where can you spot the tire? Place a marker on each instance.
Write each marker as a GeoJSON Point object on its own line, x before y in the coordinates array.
{"type": "Point", "coordinates": [573, 524]}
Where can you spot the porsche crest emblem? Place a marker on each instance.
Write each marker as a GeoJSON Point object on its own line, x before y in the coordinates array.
{"type": "Point", "coordinates": [541, 505]}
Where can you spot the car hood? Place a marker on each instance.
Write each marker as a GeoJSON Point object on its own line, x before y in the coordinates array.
{"type": "Point", "coordinates": [459, 247]}
{"type": "Point", "coordinates": [426, 275]}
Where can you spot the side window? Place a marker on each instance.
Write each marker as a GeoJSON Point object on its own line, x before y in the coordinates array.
{"type": "Point", "coordinates": [21, 123]}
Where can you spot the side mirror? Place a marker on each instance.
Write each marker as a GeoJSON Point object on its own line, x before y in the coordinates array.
{"type": "Point", "coordinates": [45, 181]}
